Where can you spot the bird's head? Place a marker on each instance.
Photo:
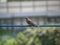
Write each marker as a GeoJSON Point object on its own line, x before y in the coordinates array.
{"type": "Point", "coordinates": [26, 18]}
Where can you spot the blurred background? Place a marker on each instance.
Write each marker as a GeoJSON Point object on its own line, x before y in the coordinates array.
{"type": "Point", "coordinates": [39, 11]}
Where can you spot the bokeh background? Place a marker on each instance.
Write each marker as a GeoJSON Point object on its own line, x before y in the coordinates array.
{"type": "Point", "coordinates": [40, 12]}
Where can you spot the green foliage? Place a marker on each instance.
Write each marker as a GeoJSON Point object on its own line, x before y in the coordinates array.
{"type": "Point", "coordinates": [32, 36]}
{"type": "Point", "coordinates": [29, 37]}
{"type": "Point", "coordinates": [5, 32]}
{"type": "Point", "coordinates": [11, 41]}
{"type": "Point", "coordinates": [25, 37]}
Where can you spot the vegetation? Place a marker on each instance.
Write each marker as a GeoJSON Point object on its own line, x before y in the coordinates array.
{"type": "Point", "coordinates": [32, 36]}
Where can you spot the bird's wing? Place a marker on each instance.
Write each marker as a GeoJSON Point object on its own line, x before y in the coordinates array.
{"type": "Point", "coordinates": [29, 21]}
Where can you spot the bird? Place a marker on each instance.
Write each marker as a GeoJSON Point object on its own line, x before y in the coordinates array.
{"type": "Point", "coordinates": [29, 21]}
